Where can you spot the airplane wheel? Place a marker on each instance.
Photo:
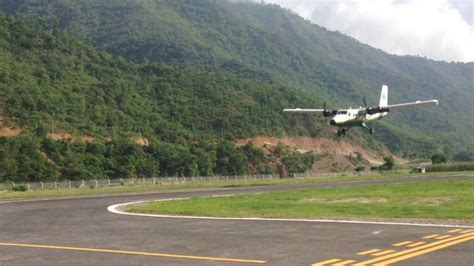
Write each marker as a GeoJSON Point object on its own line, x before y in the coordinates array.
{"type": "Point", "coordinates": [339, 133]}
{"type": "Point", "coordinates": [371, 130]}
{"type": "Point", "coordinates": [344, 131]}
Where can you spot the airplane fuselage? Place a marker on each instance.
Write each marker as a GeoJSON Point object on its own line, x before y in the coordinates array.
{"type": "Point", "coordinates": [347, 118]}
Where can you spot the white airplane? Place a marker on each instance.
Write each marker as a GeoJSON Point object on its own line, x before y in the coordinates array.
{"type": "Point", "coordinates": [344, 119]}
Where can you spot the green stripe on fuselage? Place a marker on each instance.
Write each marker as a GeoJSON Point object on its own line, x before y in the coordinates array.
{"type": "Point", "coordinates": [362, 122]}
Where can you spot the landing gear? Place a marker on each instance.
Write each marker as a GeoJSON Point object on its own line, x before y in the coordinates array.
{"type": "Point", "coordinates": [371, 129]}
{"type": "Point", "coordinates": [341, 132]}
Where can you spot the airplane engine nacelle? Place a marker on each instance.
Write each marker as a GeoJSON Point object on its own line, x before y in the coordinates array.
{"type": "Point", "coordinates": [375, 110]}
{"type": "Point", "coordinates": [329, 113]}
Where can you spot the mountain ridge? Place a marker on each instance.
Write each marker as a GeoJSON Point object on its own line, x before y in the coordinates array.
{"type": "Point", "coordinates": [227, 70]}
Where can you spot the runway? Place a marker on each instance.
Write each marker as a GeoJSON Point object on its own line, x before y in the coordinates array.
{"type": "Point", "coordinates": [80, 231]}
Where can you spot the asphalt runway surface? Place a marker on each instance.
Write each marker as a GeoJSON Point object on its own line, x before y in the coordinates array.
{"type": "Point", "coordinates": [80, 231]}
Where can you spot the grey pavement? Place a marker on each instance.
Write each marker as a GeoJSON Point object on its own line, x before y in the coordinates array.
{"type": "Point", "coordinates": [54, 227]}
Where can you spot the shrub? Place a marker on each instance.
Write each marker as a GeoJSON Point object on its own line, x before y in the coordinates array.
{"type": "Point", "coordinates": [438, 158]}
{"type": "Point", "coordinates": [20, 188]}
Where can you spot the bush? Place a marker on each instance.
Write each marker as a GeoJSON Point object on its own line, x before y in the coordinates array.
{"type": "Point", "coordinates": [20, 188]}
{"type": "Point", "coordinates": [438, 158]}
{"type": "Point", "coordinates": [388, 165]}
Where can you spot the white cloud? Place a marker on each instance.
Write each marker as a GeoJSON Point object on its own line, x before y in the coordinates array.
{"type": "Point", "coordinates": [437, 29]}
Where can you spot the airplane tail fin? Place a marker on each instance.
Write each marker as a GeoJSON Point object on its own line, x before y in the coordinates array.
{"type": "Point", "coordinates": [384, 96]}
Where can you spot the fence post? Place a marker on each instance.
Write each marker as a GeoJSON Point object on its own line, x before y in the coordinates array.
{"type": "Point", "coordinates": [82, 184]}
{"type": "Point", "coordinates": [154, 182]}
{"type": "Point", "coordinates": [27, 186]}
{"type": "Point", "coordinates": [109, 181]}
{"type": "Point", "coordinates": [69, 184]}
{"type": "Point", "coordinates": [55, 185]}
{"type": "Point", "coordinates": [42, 186]}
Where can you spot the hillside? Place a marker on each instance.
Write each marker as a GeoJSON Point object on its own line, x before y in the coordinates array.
{"type": "Point", "coordinates": [53, 87]}
{"type": "Point", "coordinates": [266, 43]}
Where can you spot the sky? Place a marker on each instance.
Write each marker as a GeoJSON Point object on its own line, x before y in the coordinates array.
{"type": "Point", "coordinates": [436, 29]}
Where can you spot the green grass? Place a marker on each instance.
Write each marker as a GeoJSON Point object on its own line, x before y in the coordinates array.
{"type": "Point", "coordinates": [446, 167]}
{"type": "Point", "coordinates": [51, 193]}
{"type": "Point", "coordinates": [440, 199]}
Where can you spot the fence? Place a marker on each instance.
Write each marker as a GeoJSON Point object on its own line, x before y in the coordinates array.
{"type": "Point", "coordinates": [351, 173]}
{"type": "Point", "coordinates": [102, 183]}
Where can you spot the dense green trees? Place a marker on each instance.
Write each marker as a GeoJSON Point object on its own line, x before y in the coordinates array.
{"type": "Point", "coordinates": [54, 87]}
{"type": "Point", "coordinates": [266, 43]}
{"type": "Point", "coordinates": [190, 77]}
{"type": "Point", "coordinates": [28, 158]}
{"type": "Point", "coordinates": [438, 158]}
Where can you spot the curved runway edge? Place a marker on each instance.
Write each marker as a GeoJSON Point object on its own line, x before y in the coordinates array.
{"type": "Point", "coordinates": [118, 209]}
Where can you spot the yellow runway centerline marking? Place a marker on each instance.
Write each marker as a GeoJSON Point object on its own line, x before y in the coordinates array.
{"type": "Point", "coordinates": [419, 250]}
{"type": "Point", "coordinates": [342, 263]}
{"type": "Point", "coordinates": [384, 252]}
{"type": "Point", "coordinates": [431, 236]}
{"type": "Point", "coordinates": [127, 252]}
{"type": "Point", "coordinates": [467, 231]}
{"type": "Point", "coordinates": [402, 243]}
{"type": "Point", "coordinates": [443, 237]}
{"type": "Point", "coordinates": [326, 262]}
{"type": "Point", "coordinates": [424, 251]}
{"type": "Point", "coordinates": [416, 244]}
{"type": "Point", "coordinates": [368, 251]}
{"type": "Point", "coordinates": [456, 230]}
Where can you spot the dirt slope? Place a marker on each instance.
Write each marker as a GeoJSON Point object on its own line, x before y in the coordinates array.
{"type": "Point", "coordinates": [333, 155]}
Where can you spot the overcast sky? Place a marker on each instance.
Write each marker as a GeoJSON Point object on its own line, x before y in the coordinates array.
{"type": "Point", "coordinates": [437, 29]}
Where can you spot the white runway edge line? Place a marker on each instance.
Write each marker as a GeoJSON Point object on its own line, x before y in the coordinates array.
{"type": "Point", "coordinates": [116, 209]}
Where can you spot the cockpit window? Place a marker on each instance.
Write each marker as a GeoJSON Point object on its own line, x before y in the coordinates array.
{"type": "Point", "coordinates": [342, 112]}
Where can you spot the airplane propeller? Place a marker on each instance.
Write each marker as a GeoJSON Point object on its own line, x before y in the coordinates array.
{"type": "Point", "coordinates": [373, 110]}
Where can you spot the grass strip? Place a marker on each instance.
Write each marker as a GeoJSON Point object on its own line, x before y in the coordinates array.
{"type": "Point", "coordinates": [439, 199]}
{"type": "Point", "coordinates": [59, 193]}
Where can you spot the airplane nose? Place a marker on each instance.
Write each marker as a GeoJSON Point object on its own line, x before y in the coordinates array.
{"type": "Point", "coordinates": [332, 122]}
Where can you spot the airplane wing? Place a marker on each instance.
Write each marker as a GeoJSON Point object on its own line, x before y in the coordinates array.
{"type": "Point", "coordinates": [412, 104]}
{"type": "Point", "coordinates": [299, 110]}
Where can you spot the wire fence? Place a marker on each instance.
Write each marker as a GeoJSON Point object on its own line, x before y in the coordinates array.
{"type": "Point", "coordinates": [349, 173]}
{"type": "Point", "coordinates": [104, 183]}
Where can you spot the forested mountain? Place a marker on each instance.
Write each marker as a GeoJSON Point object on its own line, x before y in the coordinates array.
{"type": "Point", "coordinates": [190, 76]}
{"type": "Point", "coordinates": [52, 84]}
{"type": "Point", "coordinates": [266, 43]}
